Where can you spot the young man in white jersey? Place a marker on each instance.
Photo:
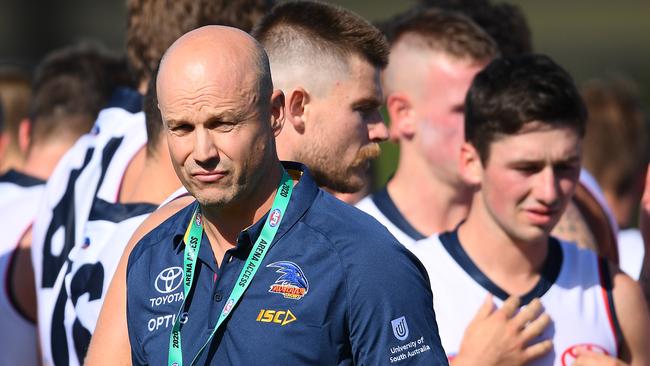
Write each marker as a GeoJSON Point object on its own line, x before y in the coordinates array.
{"type": "Point", "coordinates": [108, 182]}
{"type": "Point", "coordinates": [66, 99]}
{"type": "Point", "coordinates": [434, 57]}
{"type": "Point", "coordinates": [524, 124]}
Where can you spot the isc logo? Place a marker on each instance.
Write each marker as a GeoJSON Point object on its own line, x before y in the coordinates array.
{"type": "Point", "coordinates": [276, 316]}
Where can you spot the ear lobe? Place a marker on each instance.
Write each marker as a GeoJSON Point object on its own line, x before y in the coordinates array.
{"type": "Point", "coordinates": [297, 102]}
{"type": "Point", "coordinates": [400, 110]}
{"type": "Point", "coordinates": [471, 167]}
{"type": "Point", "coordinates": [24, 135]}
{"type": "Point", "coordinates": [277, 112]}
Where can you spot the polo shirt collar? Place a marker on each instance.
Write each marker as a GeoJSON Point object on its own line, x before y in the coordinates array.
{"type": "Point", "coordinates": [304, 193]}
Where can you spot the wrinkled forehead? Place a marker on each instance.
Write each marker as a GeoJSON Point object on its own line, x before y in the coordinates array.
{"type": "Point", "coordinates": [221, 65]}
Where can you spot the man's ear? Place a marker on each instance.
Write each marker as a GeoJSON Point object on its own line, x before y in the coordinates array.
{"type": "Point", "coordinates": [4, 142]}
{"type": "Point", "coordinates": [400, 110]}
{"type": "Point", "coordinates": [471, 167]}
{"type": "Point", "coordinates": [24, 135]}
{"type": "Point", "coordinates": [296, 102]}
{"type": "Point", "coordinates": [277, 111]}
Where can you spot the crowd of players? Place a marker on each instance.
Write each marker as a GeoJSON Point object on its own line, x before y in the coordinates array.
{"type": "Point", "coordinates": [505, 218]}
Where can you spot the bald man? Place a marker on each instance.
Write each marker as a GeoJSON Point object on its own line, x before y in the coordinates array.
{"type": "Point", "coordinates": [286, 273]}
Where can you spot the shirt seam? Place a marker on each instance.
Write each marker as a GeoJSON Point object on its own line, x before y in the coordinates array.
{"type": "Point", "coordinates": [344, 277]}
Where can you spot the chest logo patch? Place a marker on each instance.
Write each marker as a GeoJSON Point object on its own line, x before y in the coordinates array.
{"type": "Point", "coordinates": [169, 279]}
{"type": "Point", "coordinates": [292, 284]}
{"type": "Point", "coordinates": [276, 316]}
{"type": "Point", "coordinates": [400, 328]}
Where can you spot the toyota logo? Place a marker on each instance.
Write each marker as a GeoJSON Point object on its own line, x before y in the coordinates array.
{"type": "Point", "coordinates": [169, 279]}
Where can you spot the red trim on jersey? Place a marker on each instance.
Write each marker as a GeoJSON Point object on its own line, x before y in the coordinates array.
{"type": "Point", "coordinates": [608, 307]}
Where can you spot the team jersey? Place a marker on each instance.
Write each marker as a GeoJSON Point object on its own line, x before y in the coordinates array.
{"type": "Point", "coordinates": [380, 206]}
{"type": "Point", "coordinates": [574, 288]}
{"type": "Point", "coordinates": [81, 231]}
{"type": "Point", "coordinates": [19, 199]}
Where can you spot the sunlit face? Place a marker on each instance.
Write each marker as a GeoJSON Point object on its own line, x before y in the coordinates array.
{"type": "Point", "coordinates": [528, 180]}
{"type": "Point", "coordinates": [439, 112]}
{"type": "Point", "coordinates": [218, 132]}
{"type": "Point", "coordinates": [343, 127]}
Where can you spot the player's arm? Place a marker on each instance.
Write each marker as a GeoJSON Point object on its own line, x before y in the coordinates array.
{"type": "Point", "coordinates": [632, 314]}
{"type": "Point", "coordinates": [504, 336]}
{"type": "Point", "coordinates": [644, 224]}
{"type": "Point", "coordinates": [634, 321]}
{"type": "Point", "coordinates": [110, 342]}
{"type": "Point", "coordinates": [22, 282]}
{"type": "Point", "coordinates": [390, 305]}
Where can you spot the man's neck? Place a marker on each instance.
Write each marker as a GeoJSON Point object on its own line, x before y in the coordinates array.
{"type": "Point", "coordinates": [224, 224]}
{"type": "Point", "coordinates": [429, 205]}
{"type": "Point", "coordinates": [42, 159]}
{"type": "Point", "coordinates": [514, 266]}
{"type": "Point", "coordinates": [149, 177]}
{"type": "Point", "coordinates": [12, 159]}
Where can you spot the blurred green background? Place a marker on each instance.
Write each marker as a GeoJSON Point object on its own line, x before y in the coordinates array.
{"type": "Point", "coordinates": [590, 38]}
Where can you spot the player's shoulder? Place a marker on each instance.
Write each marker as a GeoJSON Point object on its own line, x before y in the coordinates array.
{"type": "Point", "coordinates": [358, 238]}
{"type": "Point", "coordinates": [160, 227]}
{"type": "Point", "coordinates": [340, 221]}
{"type": "Point", "coordinates": [366, 204]}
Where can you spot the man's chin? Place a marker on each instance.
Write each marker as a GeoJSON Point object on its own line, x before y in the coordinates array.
{"type": "Point", "coordinates": [212, 199]}
{"type": "Point", "coordinates": [350, 185]}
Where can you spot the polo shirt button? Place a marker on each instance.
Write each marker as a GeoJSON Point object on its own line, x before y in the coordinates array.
{"type": "Point", "coordinates": [217, 297]}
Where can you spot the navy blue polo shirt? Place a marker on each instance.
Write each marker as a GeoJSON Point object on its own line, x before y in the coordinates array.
{"type": "Point", "coordinates": [335, 288]}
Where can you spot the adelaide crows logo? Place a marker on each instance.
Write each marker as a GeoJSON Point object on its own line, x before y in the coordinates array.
{"type": "Point", "coordinates": [292, 284]}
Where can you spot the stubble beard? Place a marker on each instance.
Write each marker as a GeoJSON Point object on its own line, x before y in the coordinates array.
{"type": "Point", "coordinates": [331, 174]}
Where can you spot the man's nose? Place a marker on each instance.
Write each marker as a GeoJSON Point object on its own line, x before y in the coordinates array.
{"type": "Point", "coordinates": [547, 186]}
{"type": "Point", "coordinates": [377, 130]}
{"type": "Point", "coordinates": [205, 148]}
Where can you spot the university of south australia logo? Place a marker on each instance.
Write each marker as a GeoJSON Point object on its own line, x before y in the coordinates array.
{"type": "Point", "coordinates": [400, 328]}
{"type": "Point", "coordinates": [169, 279]}
{"type": "Point", "coordinates": [292, 284]}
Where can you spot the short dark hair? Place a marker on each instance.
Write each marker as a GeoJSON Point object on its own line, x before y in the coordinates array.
{"type": "Point", "coordinates": [504, 22]}
{"type": "Point", "coordinates": [449, 32]}
{"type": "Point", "coordinates": [153, 25]}
{"type": "Point", "coordinates": [514, 91]}
{"type": "Point", "coordinates": [70, 87]}
{"type": "Point", "coordinates": [326, 27]}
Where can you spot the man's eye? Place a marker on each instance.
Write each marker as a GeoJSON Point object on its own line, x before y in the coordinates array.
{"type": "Point", "coordinates": [367, 111]}
{"type": "Point", "coordinates": [224, 126]}
{"type": "Point", "coordinates": [181, 128]}
{"type": "Point", "coordinates": [567, 168]}
{"type": "Point", "coordinates": [528, 169]}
